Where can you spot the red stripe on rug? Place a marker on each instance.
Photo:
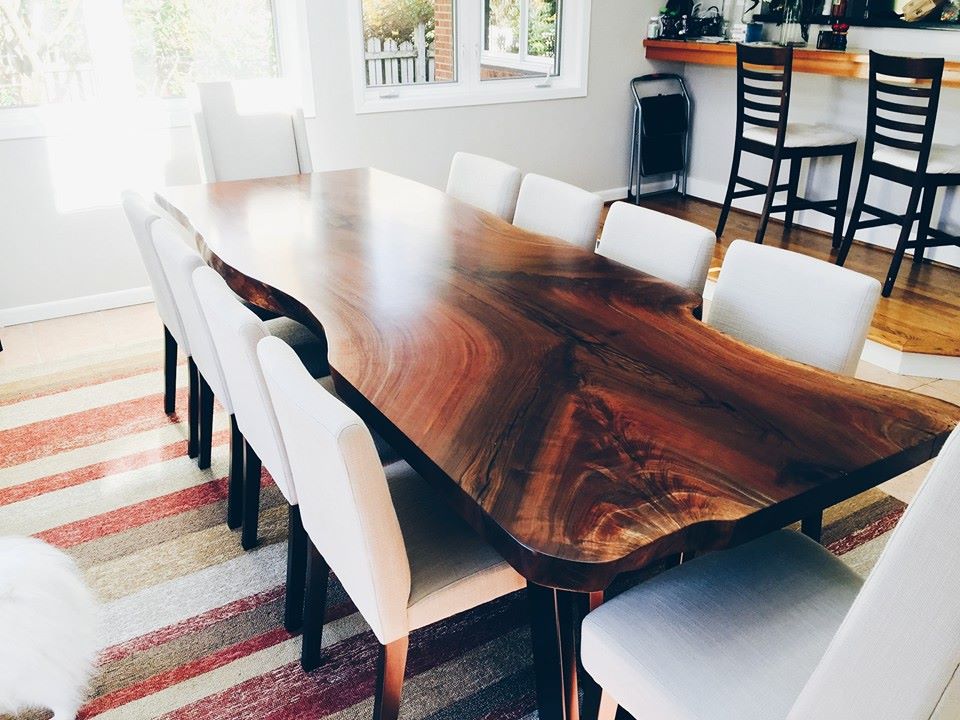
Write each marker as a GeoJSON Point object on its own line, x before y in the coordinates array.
{"type": "Point", "coordinates": [69, 432]}
{"type": "Point", "coordinates": [184, 672]}
{"type": "Point", "coordinates": [347, 674]}
{"type": "Point", "coordinates": [864, 535]}
{"type": "Point", "coordinates": [139, 514]}
{"type": "Point", "coordinates": [55, 387]}
{"type": "Point", "coordinates": [190, 625]}
{"type": "Point", "coordinates": [136, 515]}
{"type": "Point", "coordinates": [96, 471]}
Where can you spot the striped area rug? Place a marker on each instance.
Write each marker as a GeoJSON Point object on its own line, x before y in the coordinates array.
{"type": "Point", "coordinates": [192, 624]}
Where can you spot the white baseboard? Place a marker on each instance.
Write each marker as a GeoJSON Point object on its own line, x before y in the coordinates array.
{"type": "Point", "coordinates": [612, 194]}
{"type": "Point", "coordinates": [75, 306]}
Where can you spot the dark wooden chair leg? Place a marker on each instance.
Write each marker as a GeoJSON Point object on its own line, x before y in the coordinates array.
{"type": "Point", "coordinates": [314, 607]}
{"type": "Point", "coordinates": [235, 482]}
{"type": "Point", "coordinates": [296, 570]}
{"type": "Point", "coordinates": [206, 425]}
{"type": "Point", "coordinates": [854, 223]}
{"type": "Point", "coordinates": [908, 218]}
{"type": "Point", "coordinates": [843, 195]}
{"type": "Point", "coordinates": [768, 198]}
{"type": "Point", "coordinates": [731, 186]}
{"type": "Point", "coordinates": [592, 692]}
{"type": "Point", "coordinates": [812, 526]}
{"type": "Point", "coordinates": [793, 187]}
{"type": "Point", "coordinates": [553, 627]}
{"type": "Point", "coordinates": [926, 215]}
{"type": "Point", "coordinates": [193, 416]}
{"type": "Point", "coordinates": [251, 497]}
{"type": "Point", "coordinates": [391, 666]}
{"type": "Point", "coordinates": [169, 372]}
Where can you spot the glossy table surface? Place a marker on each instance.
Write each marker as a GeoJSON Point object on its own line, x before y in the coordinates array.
{"type": "Point", "coordinates": [574, 411]}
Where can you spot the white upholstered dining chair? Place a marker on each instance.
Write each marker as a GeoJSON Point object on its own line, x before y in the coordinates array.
{"type": "Point", "coordinates": [780, 628]}
{"type": "Point", "coordinates": [658, 244]}
{"type": "Point", "coordinates": [488, 184]}
{"type": "Point", "coordinates": [403, 557]}
{"type": "Point", "coordinates": [248, 129]}
{"type": "Point", "coordinates": [179, 260]}
{"type": "Point", "coordinates": [235, 331]}
{"type": "Point", "coordinates": [141, 216]}
{"type": "Point", "coordinates": [794, 306]}
{"type": "Point", "coordinates": [797, 307]}
{"type": "Point", "coordinates": [551, 207]}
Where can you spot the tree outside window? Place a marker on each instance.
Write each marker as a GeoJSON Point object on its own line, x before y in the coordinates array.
{"type": "Point", "coordinates": [163, 45]}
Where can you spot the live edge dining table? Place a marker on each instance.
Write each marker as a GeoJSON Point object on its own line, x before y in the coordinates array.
{"type": "Point", "coordinates": [573, 411]}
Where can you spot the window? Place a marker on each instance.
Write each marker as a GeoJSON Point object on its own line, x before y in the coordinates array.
{"type": "Point", "coordinates": [519, 39]}
{"type": "Point", "coordinates": [61, 51]}
{"type": "Point", "coordinates": [434, 53]}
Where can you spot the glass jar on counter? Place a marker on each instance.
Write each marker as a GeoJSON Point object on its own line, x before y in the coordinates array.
{"type": "Point", "coordinates": [653, 27]}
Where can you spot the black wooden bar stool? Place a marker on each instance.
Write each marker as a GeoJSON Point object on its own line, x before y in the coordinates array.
{"type": "Point", "coordinates": [763, 102]}
{"type": "Point", "coordinates": [901, 117]}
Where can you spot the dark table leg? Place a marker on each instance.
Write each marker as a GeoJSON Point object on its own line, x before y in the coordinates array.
{"type": "Point", "coordinates": [553, 622]}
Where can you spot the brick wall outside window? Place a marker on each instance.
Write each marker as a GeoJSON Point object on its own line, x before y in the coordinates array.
{"type": "Point", "coordinates": [443, 41]}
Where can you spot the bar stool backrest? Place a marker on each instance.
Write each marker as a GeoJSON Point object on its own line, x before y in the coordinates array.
{"type": "Point", "coordinates": [763, 88]}
{"type": "Point", "coordinates": [904, 97]}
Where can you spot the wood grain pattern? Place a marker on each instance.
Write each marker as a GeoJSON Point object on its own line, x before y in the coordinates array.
{"type": "Point", "coordinates": [851, 63]}
{"type": "Point", "coordinates": [575, 411]}
{"type": "Point", "coordinates": [923, 316]}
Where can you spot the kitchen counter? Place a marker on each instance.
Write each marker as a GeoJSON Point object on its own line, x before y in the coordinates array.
{"type": "Point", "coordinates": [851, 63]}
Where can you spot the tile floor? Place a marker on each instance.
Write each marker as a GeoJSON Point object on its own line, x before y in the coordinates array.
{"type": "Point", "coordinates": [61, 339]}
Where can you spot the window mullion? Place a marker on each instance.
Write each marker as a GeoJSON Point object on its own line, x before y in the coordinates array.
{"type": "Point", "coordinates": [470, 31]}
{"type": "Point", "coordinates": [524, 38]}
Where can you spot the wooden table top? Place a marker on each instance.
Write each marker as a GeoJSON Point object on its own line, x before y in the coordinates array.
{"type": "Point", "coordinates": [575, 411]}
{"type": "Point", "coordinates": [850, 63]}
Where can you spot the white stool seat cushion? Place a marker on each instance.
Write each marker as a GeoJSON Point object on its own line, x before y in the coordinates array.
{"type": "Point", "coordinates": [794, 306]}
{"type": "Point", "coordinates": [801, 135]}
{"type": "Point", "coordinates": [732, 635]}
{"type": "Point", "coordinates": [551, 207]}
{"type": "Point", "coordinates": [486, 183]}
{"type": "Point", "coordinates": [658, 244]}
{"type": "Point", "coordinates": [451, 568]}
{"type": "Point", "coordinates": [944, 159]}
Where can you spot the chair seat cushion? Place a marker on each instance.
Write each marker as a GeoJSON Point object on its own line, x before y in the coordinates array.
{"type": "Point", "coordinates": [311, 349]}
{"type": "Point", "coordinates": [944, 159]}
{"type": "Point", "coordinates": [451, 568]}
{"type": "Point", "coordinates": [801, 135]}
{"type": "Point", "coordinates": [731, 635]}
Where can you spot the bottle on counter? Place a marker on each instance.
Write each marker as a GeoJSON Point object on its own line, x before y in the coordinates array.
{"type": "Point", "coordinates": [653, 27]}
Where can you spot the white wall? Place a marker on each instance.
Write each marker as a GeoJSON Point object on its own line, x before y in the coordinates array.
{"type": "Point", "coordinates": [65, 238]}
{"type": "Point", "coordinates": [816, 99]}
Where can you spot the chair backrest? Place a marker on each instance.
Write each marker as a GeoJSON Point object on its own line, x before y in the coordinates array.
{"type": "Point", "coordinates": [141, 216]}
{"type": "Point", "coordinates": [658, 244]}
{"type": "Point", "coordinates": [793, 305]}
{"type": "Point", "coordinates": [489, 184]}
{"type": "Point", "coordinates": [236, 330]}
{"type": "Point", "coordinates": [897, 652]}
{"type": "Point", "coordinates": [248, 129]}
{"type": "Point", "coordinates": [345, 502]}
{"type": "Point", "coordinates": [179, 261]}
{"type": "Point", "coordinates": [904, 96]}
{"type": "Point", "coordinates": [551, 207]}
{"type": "Point", "coordinates": [764, 75]}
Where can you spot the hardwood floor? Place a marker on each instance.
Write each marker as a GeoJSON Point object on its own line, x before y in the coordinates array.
{"type": "Point", "coordinates": [922, 315]}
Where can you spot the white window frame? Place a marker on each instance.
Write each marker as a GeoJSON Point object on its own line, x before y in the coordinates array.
{"type": "Point", "coordinates": [469, 89]}
{"type": "Point", "coordinates": [52, 119]}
